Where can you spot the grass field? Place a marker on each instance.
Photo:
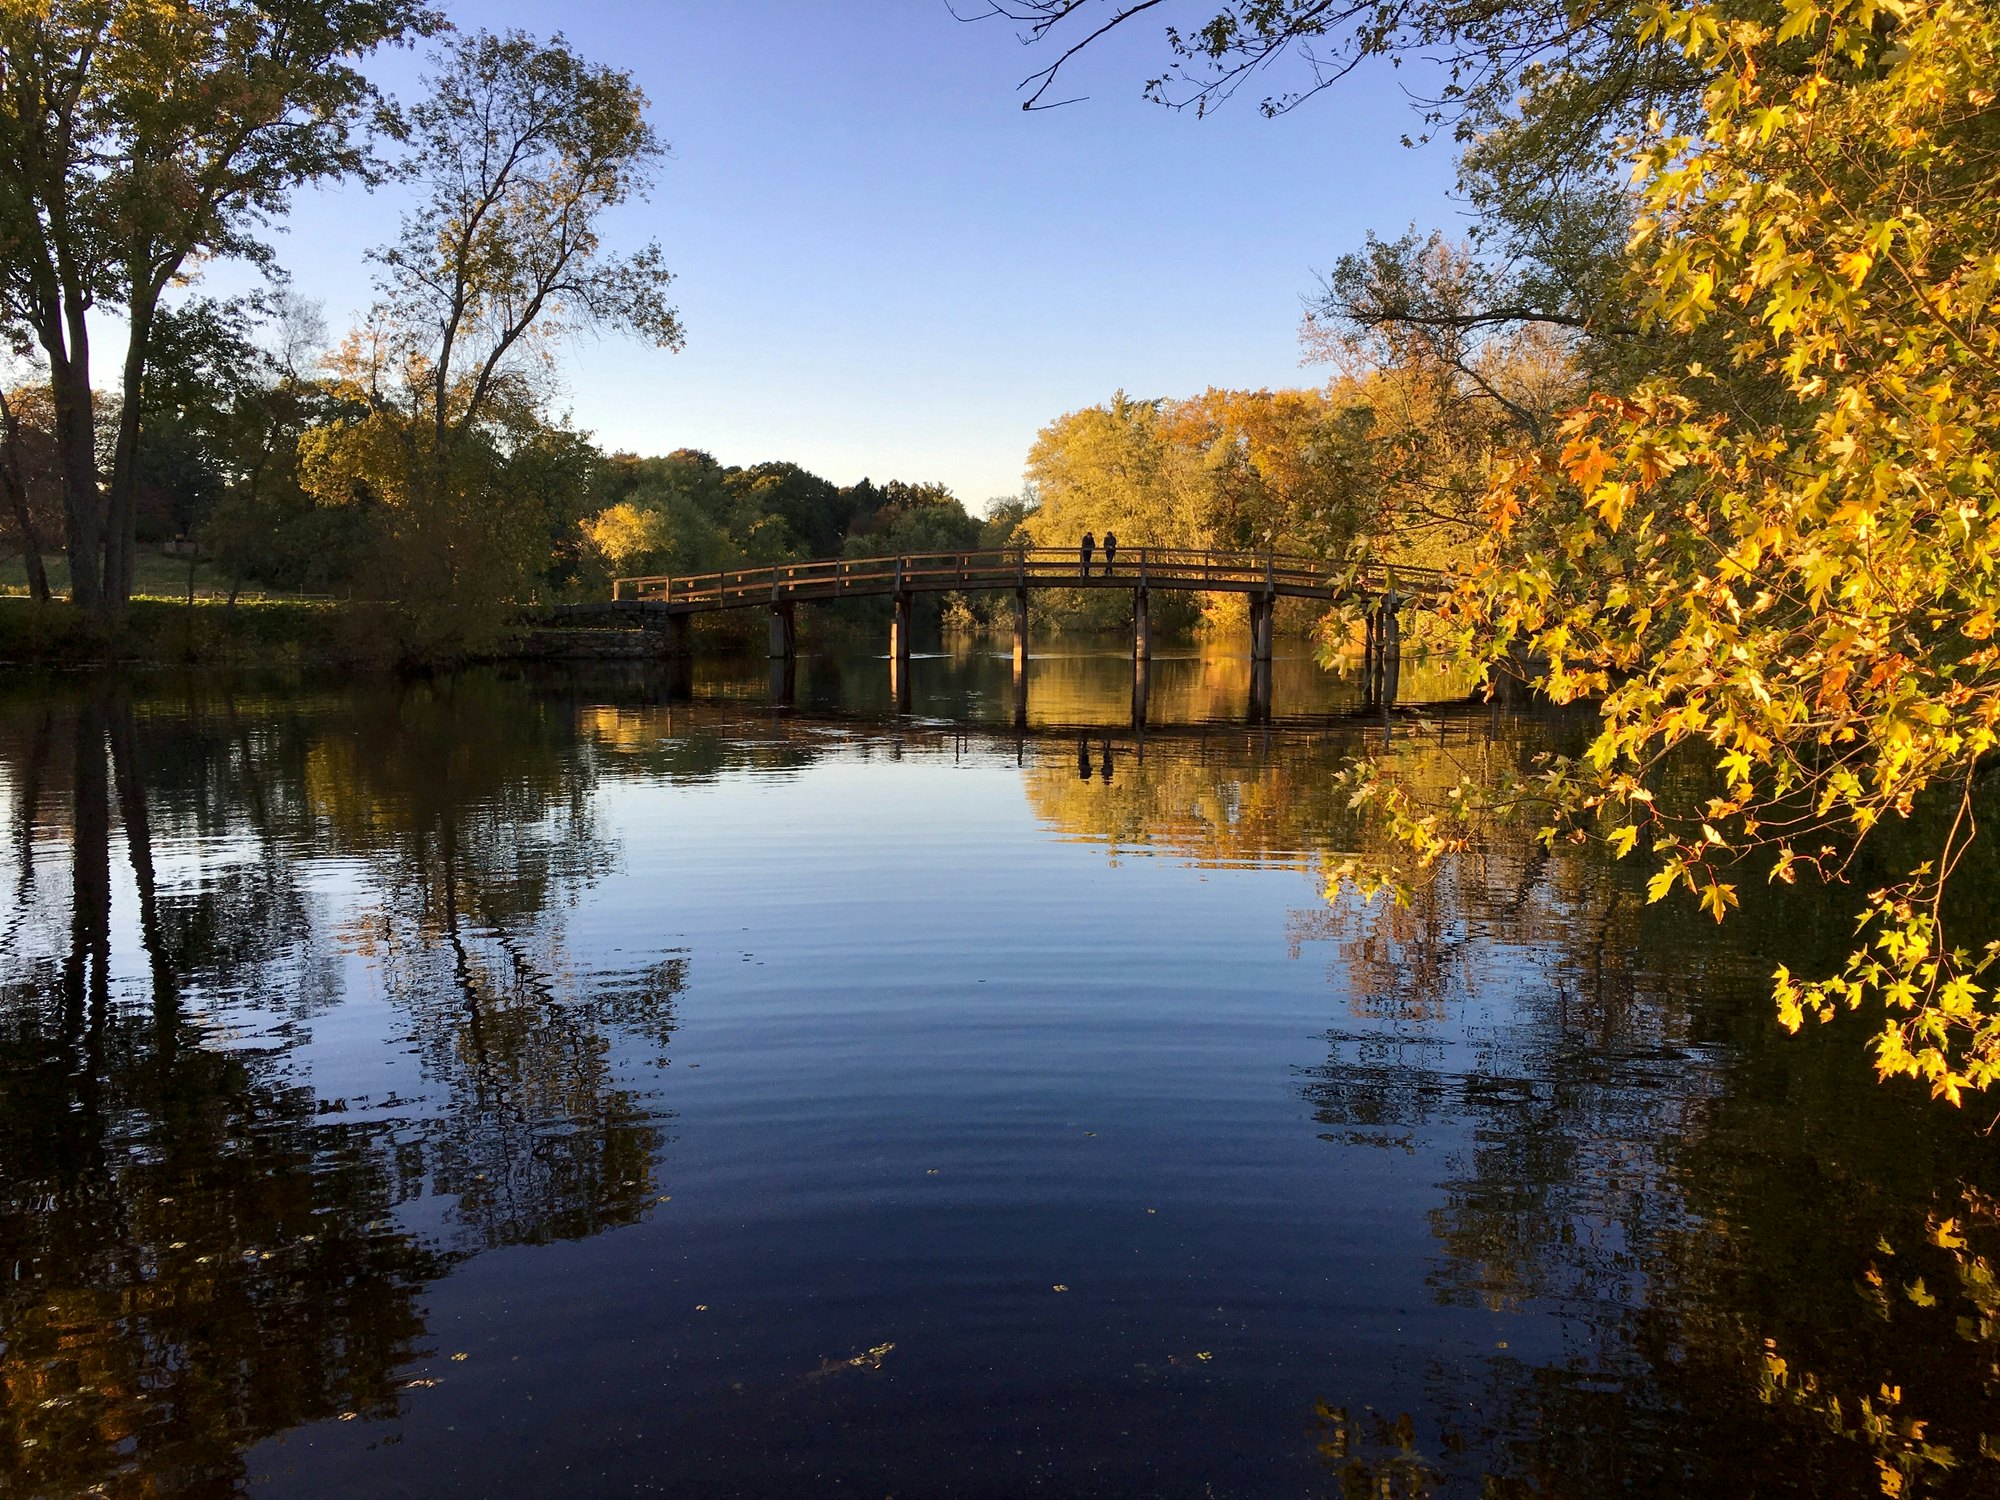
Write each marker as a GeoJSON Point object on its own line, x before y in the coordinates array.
{"type": "Point", "coordinates": [155, 576]}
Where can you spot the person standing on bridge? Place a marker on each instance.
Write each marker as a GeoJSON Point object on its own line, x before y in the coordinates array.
{"type": "Point", "coordinates": [1110, 551]}
{"type": "Point", "coordinates": [1088, 546]}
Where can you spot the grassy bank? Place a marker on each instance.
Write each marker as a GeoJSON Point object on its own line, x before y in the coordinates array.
{"type": "Point", "coordinates": [155, 575]}
{"type": "Point", "coordinates": [209, 631]}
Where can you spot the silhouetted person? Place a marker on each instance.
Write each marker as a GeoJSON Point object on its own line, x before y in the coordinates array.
{"type": "Point", "coordinates": [1110, 551]}
{"type": "Point", "coordinates": [1088, 546]}
{"type": "Point", "coordinates": [1082, 758]}
{"type": "Point", "coordinates": [1104, 771]}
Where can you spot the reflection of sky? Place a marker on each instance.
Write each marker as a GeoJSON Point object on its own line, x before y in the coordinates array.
{"type": "Point", "coordinates": [900, 969]}
{"type": "Point", "coordinates": [933, 1027]}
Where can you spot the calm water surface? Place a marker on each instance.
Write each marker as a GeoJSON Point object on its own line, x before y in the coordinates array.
{"type": "Point", "coordinates": [518, 1084]}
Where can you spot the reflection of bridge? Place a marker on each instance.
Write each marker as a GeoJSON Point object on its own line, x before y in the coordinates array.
{"type": "Point", "coordinates": [669, 604]}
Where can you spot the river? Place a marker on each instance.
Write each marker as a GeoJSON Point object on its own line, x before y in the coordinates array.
{"type": "Point", "coordinates": [546, 1083]}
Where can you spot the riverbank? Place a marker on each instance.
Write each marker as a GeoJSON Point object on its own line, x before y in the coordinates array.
{"type": "Point", "coordinates": [205, 632]}
{"type": "Point", "coordinates": [280, 632]}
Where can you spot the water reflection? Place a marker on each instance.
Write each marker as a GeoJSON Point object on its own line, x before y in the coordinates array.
{"type": "Point", "coordinates": [208, 1244]}
{"type": "Point", "coordinates": [314, 996]}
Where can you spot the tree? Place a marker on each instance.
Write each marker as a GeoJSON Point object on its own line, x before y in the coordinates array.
{"type": "Point", "coordinates": [137, 140]}
{"type": "Point", "coordinates": [1447, 375]}
{"type": "Point", "coordinates": [206, 373]}
{"type": "Point", "coordinates": [1225, 470]}
{"type": "Point", "coordinates": [1799, 600]}
{"type": "Point", "coordinates": [914, 518]}
{"type": "Point", "coordinates": [812, 508]}
{"type": "Point", "coordinates": [265, 526]}
{"type": "Point", "coordinates": [518, 151]}
{"type": "Point", "coordinates": [27, 476]}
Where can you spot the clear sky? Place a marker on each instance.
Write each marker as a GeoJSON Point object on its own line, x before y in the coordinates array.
{"type": "Point", "coordinates": [887, 268]}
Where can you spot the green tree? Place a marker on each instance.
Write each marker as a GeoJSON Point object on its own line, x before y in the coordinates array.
{"type": "Point", "coordinates": [29, 478]}
{"type": "Point", "coordinates": [137, 140]}
{"type": "Point", "coordinates": [518, 151]}
{"type": "Point", "coordinates": [206, 370]}
{"type": "Point", "coordinates": [812, 508]}
{"type": "Point", "coordinates": [914, 518]}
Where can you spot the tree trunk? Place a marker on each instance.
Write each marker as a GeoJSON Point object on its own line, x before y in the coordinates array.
{"type": "Point", "coordinates": [76, 449]}
{"type": "Point", "coordinates": [129, 779]}
{"type": "Point", "coordinates": [86, 977]}
{"type": "Point", "coordinates": [28, 805]}
{"type": "Point", "coordinates": [122, 509]}
{"type": "Point", "coordinates": [17, 499]}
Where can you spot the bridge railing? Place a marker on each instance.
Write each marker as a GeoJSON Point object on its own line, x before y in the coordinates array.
{"type": "Point", "coordinates": [1023, 567]}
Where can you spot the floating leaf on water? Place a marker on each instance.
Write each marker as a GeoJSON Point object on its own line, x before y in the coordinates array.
{"type": "Point", "coordinates": [1062, 1286]}
{"type": "Point", "coordinates": [701, 1307]}
{"type": "Point", "coordinates": [461, 1356]}
{"type": "Point", "coordinates": [1203, 1355]}
{"type": "Point", "coordinates": [349, 1416]}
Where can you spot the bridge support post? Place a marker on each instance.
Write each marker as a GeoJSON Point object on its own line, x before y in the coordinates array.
{"type": "Point", "coordinates": [1142, 626]}
{"type": "Point", "coordinates": [1392, 652]}
{"type": "Point", "coordinates": [680, 677]}
{"type": "Point", "coordinates": [784, 632]}
{"type": "Point", "coordinates": [1142, 683]}
{"type": "Point", "coordinates": [1020, 634]}
{"type": "Point", "coordinates": [1261, 610]}
{"type": "Point", "coordinates": [1260, 691]}
{"type": "Point", "coordinates": [672, 637]}
{"type": "Point", "coordinates": [680, 656]}
{"type": "Point", "coordinates": [899, 630]}
{"type": "Point", "coordinates": [899, 653]}
{"type": "Point", "coordinates": [784, 679]}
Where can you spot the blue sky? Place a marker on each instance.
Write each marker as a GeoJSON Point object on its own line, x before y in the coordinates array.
{"type": "Point", "coordinates": [886, 268]}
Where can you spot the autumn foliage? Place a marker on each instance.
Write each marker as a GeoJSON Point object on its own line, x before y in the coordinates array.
{"type": "Point", "coordinates": [1775, 560]}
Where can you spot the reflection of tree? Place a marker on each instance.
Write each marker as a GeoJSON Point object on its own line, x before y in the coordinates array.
{"type": "Point", "coordinates": [193, 1262]}
{"type": "Point", "coordinates": [205, 1251]}
{"type": "Point", "coordinates": [1224, 797]}
{"type": "Point", "coordinates": [1675, 1204]}
{"type": "Point", "coordinates": [478, 817]}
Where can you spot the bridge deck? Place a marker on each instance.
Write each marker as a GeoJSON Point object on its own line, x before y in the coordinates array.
{"type": "Point", "coordinates": [1021, 568]}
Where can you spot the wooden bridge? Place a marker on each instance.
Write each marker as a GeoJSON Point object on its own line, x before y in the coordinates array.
{"type": "Point", "coordinates": [669, 603]}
